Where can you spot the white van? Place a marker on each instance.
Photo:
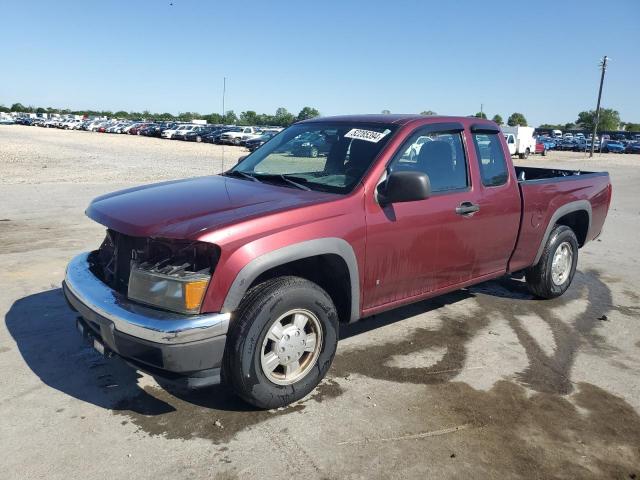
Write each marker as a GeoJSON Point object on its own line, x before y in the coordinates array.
{"type": "Point", "coordinates": [520, 140]}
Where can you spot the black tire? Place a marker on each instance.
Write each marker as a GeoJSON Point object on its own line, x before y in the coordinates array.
{"type": "Point", "coordinates": [521, 156]}
{"type": "Point", "coordinates": [539, 277]}
{"type": "Point", "coordinates": [313, 153]}
{"type": "Point", "coordinates": [257, 312]}
{"type": "Point", "coordinates": [544, 152]}
{"type": "Point", "coordinates": [198, 138]}
{"type": "Point", "coordinates": [236, 141]}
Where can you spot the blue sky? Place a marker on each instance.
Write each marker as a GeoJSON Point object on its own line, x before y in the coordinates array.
{"type": "Point", "coordinates": [539, 58]}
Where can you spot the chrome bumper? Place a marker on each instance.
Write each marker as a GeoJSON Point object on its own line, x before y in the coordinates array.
{"type": "Point", "coordinates": [137, 320]}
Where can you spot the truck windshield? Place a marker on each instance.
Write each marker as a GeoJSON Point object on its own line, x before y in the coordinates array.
{"type": "Point", "coordinates": [324, 156]}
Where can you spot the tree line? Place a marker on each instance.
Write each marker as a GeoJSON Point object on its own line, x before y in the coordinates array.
{"type": "Point", "coordinates": [282, 116]}
{"type": "Point", "coordinates": [609, 118]}
{"type": "Point", "coordinates": [609, 121]}
{"type": "Point", "coordinates": [514, 119]}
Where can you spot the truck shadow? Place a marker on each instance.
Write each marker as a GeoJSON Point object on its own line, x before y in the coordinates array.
{"type": "Point", "coordinates": [43, 328]}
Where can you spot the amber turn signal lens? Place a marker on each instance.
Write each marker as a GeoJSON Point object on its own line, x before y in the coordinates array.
{"type": "Point", "coordinates": [193, 294]}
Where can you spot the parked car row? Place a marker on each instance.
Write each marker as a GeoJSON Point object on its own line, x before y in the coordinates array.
{"type": "Point", "coordinates": [249, 136]}
{"type": "Point", "coordinates": [254, 137]}
{"type": "Point", "coordinates": [614, 143]}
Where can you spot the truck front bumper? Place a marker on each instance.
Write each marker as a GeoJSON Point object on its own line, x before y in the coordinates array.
{"type": "Point", "coordinates": [185, 349]}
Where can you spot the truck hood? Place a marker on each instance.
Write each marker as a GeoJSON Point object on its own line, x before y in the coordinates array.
{"type": "Point", "coordinates": [187, 208]}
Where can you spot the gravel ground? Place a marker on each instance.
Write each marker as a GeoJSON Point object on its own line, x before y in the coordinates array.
{"type": "Point", "coordinates": [44, 155]}
{"type": "Point", "coordinates": [482, 383]}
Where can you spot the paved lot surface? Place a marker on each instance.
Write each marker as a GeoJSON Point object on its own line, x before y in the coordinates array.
{"type": "Point", "coordinates": [482, 383]}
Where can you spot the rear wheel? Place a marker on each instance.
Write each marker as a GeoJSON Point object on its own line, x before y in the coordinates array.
{"type": "Point", "coordinates": [198, 139]}
{"type": "Point", "coordinates": [282, 342]}
{"type": "Point", "coordinates": [236, 141]}
{"type": "Point", "coordinates": [553, 273]}
{"type": "Point", "coordinates": [313, 153]}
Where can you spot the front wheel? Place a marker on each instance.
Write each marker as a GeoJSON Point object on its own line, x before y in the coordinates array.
{"type": "Point", "coordinates": [281, 343]}
{"type": "Point", "coordinates": [553, 273]}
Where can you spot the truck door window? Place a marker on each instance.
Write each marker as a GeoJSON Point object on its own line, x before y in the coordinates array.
{"type": "Point", "coordinates": [440, 155]}
{"type": "Point", "coordinates": [493, 165]}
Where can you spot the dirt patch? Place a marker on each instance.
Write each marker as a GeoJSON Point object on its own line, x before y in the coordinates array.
{"type": "Point", "coordinates": [214, 414]}
{"type": "Point", "coordinates": [590, 434]}
{"type": "Point", "coordinates": [508, 298]}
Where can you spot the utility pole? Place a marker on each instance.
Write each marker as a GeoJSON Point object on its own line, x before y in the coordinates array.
{"type": "Point", "coordinates": [603, 67]}
{"type": "Point", "coordinates": [481, 110]}
{"type": "Point", "coordinates": [224, 91]}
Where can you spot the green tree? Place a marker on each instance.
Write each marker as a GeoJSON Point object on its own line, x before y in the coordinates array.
{"type": "Point", "coordinates": [213, 118]}
{"type": "Point", "coordinates": [4, 109]}
{"type": "Point", "coordinates": [498, 119]}
{"type": "Point", "coordinates": [283, 118]}
{"type": "Point", "coordinates": [165, 116]}
{"type": "Point", "coordinates": [119, 114]}
{"type": "Point", "coordinates": [230, 118]}
{"type": "Point", "coordinates": [18, 107]}
{"type": "Point", "coordinates": [481, 115]}
{"type": "Point", "coordinates": [516, 119]}
{"type": "Point", "coordinates": [609, 119]}
{"type": "Point", "coordinates": [428, 113]}
{"type": "Point", "coordinates": [386, 112]}
{"type": "Point", "coordinates": [632, 127]}
{"type": "Point", "coordinates": [249, 118]}
{"type": "Point", "coordinates": [551, 126]}
{"type": "Point", "coordinates": [308, 112]}
{"type": "Point", "coordinates": [569, 126]}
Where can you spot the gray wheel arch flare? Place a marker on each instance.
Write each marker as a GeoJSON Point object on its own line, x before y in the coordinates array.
{"type": "Point", "coordinates": [578, 205]}
{"type": "Point", "coordinates": [290, 253]}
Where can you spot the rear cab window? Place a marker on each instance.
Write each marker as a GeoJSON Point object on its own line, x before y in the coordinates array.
{"type": "Point", "coordinates": [491, 159]}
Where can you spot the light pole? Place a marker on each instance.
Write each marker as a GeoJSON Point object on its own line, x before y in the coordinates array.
{"type": "Point", "coordinates": [603, 66]}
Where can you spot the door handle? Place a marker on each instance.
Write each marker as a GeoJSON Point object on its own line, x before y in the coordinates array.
{"type": "Point", "coordinates": [467, 208]}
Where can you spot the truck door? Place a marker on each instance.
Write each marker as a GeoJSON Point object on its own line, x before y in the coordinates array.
{"type": "Point", "coordinates": [498, 219]}
{"type": "Point", "coordinates": [418, 247]}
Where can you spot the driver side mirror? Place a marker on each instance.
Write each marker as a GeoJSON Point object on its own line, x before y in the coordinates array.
{"type": "Point", "coordinates": [404, 186]}
{"type": "Point", "coordinates": [241, 158]}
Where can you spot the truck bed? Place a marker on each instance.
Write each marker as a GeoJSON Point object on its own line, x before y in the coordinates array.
{"type": "Point", "coordinates": [536, 174]}
{"type": "Point", "coordinates": [546, 193]}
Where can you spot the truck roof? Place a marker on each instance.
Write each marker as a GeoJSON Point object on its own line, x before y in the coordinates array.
{"type": "Point", "coordinates": [397, 119]}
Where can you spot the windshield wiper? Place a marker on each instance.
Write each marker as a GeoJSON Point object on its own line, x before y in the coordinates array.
{"type": "Point", "coordinates": [238, 173]}
{"type": "Point", "coordinates": [285, 178]}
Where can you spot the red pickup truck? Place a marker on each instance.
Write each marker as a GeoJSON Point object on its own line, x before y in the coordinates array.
{"type": "Point", "coordinates": [245, 277]}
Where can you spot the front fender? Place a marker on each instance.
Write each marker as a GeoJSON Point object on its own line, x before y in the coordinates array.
{"type": "Point", "coordinates": [290, 253]}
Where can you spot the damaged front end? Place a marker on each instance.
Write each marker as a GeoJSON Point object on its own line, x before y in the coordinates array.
{"type": "Point", "coordinates": [168, 274]}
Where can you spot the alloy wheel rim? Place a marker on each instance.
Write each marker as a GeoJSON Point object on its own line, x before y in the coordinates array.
{"type": "Point", "coordinates": [562, 263]}
{"type": "Point", "coordinates": [291, 347]}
